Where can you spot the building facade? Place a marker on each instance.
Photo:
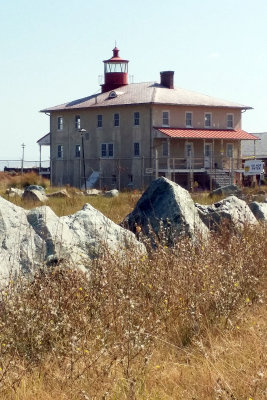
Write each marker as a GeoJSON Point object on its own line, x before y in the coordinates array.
{"type": "Point", "coordinates": [129, 134]}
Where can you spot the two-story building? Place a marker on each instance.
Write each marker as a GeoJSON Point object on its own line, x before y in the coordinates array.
{"type": "Point", "coordinates": [131, 133]}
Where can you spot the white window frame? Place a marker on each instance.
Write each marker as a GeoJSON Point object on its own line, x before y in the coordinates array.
{"type": "Point", "coordinates": [77, 151]}
{"type": "Point", "coordinates": [231, 125]}
{"type": "Point", "coordinates": [60, 151]}
{"type": "Point", "coordinates": [60, 123]}
{"type": "Point", "coordinates": [108, 147]}
{"type": "Point", "coordinates": [210, 116]}
{"type": "Point", "coordinates": [191, 119]}
{"type": "Point", "coordinates": [166, 119]}
{"type": "Point", "coordinates": [77, 122]}
{"type": "Point", "coordinates": [139, 152]}
{"type": "Point", "coordinates": [136, 118]}
{"type": "Point", "coordinates": [116, 120]}
{"type": "Point", "coordinates": [99, 121]}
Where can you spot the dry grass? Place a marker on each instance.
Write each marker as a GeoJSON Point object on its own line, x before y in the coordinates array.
{"type": "Point", "coordinates": [184, 323]}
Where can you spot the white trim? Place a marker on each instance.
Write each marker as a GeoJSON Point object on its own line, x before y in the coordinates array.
{"type": "Point", "coordinates": [207, 113]}
{"type": "Point", "coordinates": [107, 150]}
{"type": "Point", "coordinates": [136, 156]}
{"type": "Point", "coordinates": [62, 125]}
{"type": "Point", "coordinates": [189, 112]}
{"type": "Point", "coordinates": [136, 118]}
{"type": "Point", "coordinates": [162, 124]}
{"type": "Point", "coordinates": [61, 152]}
{"type": "Point", "coordinates": [117, 113]}
{"type": "Point", "coordinates": [76, 145]}
{"type": "Point", "coordinates": [230, 127]}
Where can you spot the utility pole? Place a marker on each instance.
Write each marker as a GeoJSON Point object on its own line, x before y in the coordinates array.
{"type": "Point", "coordinates": [22, 160]}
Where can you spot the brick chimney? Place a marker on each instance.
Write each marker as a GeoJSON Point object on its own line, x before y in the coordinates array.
{"type": "Point", "coordinates": [166, 79]}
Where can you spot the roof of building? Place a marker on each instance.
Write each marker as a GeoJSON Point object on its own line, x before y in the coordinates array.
{"type": "Point", "coordinates": [229, 134]}
{"type": "Point", "coordinates": [247, 148]}
{"type": "Point", "coordinates": [146, 93]}
{"type": "Point", "coordinates": [44, 140]}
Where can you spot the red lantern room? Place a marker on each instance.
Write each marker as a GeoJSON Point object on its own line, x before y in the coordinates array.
{"type": "Point", "coordinates": [116, 72]}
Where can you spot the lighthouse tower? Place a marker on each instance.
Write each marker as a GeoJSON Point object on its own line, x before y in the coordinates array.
{"type": "Point", "coordinates": [116, 72]}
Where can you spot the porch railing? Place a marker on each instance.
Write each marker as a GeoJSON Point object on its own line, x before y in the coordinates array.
{"type": "Point", "coordinates": [197, 163]}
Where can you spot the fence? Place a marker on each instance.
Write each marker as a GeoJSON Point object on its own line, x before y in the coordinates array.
{"type": "Point", "coordinates": [42, 168]}
{"type": "Point", "coordinates": [138, 172]}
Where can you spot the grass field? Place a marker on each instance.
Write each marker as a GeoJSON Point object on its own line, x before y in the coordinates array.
{"type": "Point", "coordinates": [183, 323]}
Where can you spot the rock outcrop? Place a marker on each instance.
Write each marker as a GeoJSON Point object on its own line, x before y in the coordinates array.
{"type": "Point", "coordinates": [34, 195]}
{"type": "Point", "coordinates": [259, 210]}
{"type": "Point", "coordinates": [38, 237]}
{"type": "Point", "coordinates": [231, 210]}
{"type": "Point", "coordinates": [167, 211]}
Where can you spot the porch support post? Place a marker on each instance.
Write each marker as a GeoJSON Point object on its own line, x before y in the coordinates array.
{"type": "Point", "coordinates": [255, 149]}
{"type": "Point", "coordinates": [222, 152]}
{"type": "Point", "coordinates": [204, 152]}
{"type": "Point", "coordinates": [40, 158]}
{"type": "Point", "coordinates": [212, 158]}
{"type": "Point", "coordinates": [156, 163]}
{"type": "Point", "coordinates": [168, 160]}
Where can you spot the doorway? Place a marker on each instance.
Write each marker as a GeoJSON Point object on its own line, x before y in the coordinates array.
{"type": "Point", "coordinates": [207, 155]}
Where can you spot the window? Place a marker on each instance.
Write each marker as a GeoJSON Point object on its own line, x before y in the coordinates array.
{"type": "Point", "coordinates": [99, 121]}
{"type": "Point", "coordinates": [229, 150]}
{"type": "Point", "coordinates": [188, 120]}
{"type": "Point", "coordinates": [165, 118]}
{"type": "Point", "coordinates": [77, 122]}
{"type": "Point", "coordinates": [112, 94]}
{"type": "Point", "coordinates": [165, 149]}
{"type": "Point", "coordinates": [207, 120]}
{"type": "Point", "coordinates": [114, 179]}
{"type": "Point", "coordinates": [60, 151]}
{"type": "Point", "coordinates": [116, 119]}
{"type": "Point", "coordinates": [136, 118]}
{"type": "Point", "coordinates": [107, 150]}
{"type": "Point", "coordinates": [77, 151]}
{"type": "Point", "coordinates": [59, 123]}
{"type": "Point", "coordinates": [137, 149]}
{"type": "Point", "coordinates": [230, 121]}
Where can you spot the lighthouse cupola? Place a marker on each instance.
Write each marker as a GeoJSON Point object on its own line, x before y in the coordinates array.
{"type": "Point", "coordinates": [115, 72]}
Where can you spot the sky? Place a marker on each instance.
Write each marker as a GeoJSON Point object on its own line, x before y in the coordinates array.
{"type": "Point", "coordinates": [51, 52]}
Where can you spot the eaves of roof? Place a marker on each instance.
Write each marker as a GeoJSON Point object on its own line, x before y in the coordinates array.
{"type": "Point", "coordinates": [147, 93]}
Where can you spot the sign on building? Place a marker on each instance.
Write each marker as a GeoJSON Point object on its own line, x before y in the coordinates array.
{"type": "Point", "coordinates": [253, 167]}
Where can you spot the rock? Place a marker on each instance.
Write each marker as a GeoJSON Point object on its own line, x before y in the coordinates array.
{"type": "Point", "coordinates": [20, 248]}
{"type": "Point", "coordinates": [259, 210]}
{"type": "Point", "coordinates": [96, 234]}
{"type": "Point", "coordinates": [31, 239]}
{"type": "Point", "coordinates": [226, 191]}
{"type": "Point", "coordinates": [59, 194]}
{"type": "Point", "coordinates": [93, 192]}
{"type": "Point", "coordinates": [111, 193]}
{"type": "Point", "coordinates": [13, 192]}
{"type": "Point", "coordinates": [168, 210]}
{"type": "Point", "coordinates": [231, 209]}
{"type": "Point", "coordinates": [58, 240]}
{"type": "Point", "coordinates": [34, 195]}
{"type": "Point", "coordinates": [35, 187]}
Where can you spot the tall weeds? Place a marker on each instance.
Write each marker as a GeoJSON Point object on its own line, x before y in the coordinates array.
{"type": "Point", "coordinates": [97, 338]}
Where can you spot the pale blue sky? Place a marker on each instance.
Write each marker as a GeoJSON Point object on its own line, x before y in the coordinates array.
{"type": "Point", "coordinates": [52, 52]}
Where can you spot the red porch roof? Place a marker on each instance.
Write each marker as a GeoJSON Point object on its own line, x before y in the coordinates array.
{"type": "Point", "coordinates": [207, 134]}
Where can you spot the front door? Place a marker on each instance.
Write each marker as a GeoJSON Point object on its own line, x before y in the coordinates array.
{"type": "Point", "coordinates": [189, 155]}
{"type": "Point", "coordinates": [207, 155]}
